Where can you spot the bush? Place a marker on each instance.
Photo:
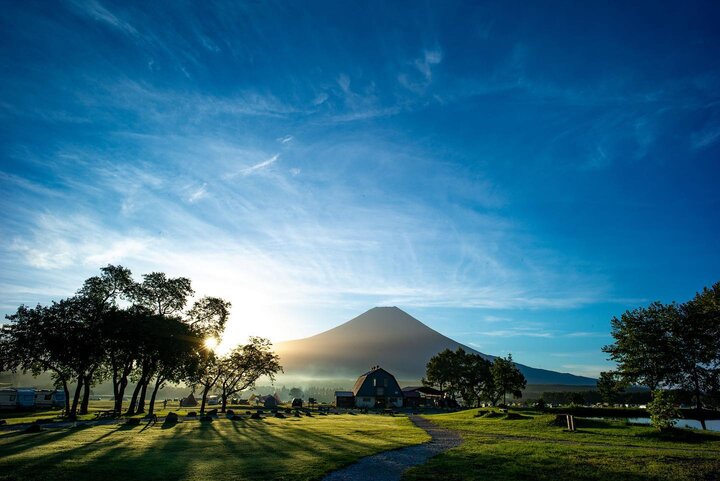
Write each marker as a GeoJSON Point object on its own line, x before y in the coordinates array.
{"type": "Point", "coordinates": [230, 412]}
{"type": "Point", "coordinates": [171, 418]}
{"type": "Point", "coordinates": [33, 428]}
{"type": "Point", "coordinates": [280, 415]}
{"type": "Point", "coordinates": [212, 412]}
{"type": "Point", "coordinates": [192, 414]}
{"type": "Point", "coordinates": [255, 416]}
{"type": "Point", "coordinates": [235, 417]}
{"type": "Point", "coordinates": [662, 411]}
{"type": "Point", "coordinates": [133, 422]}
{"type": "Point", "coordinates": [206, 418]}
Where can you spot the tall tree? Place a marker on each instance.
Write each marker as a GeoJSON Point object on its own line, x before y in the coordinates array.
{"type": "Point", "coordinates": [163, 296]}
{"type": "Point", "coordinates": [507, 378]}
{"type": "Point", "coordinates": [696, 345]}
{"type": "Point", "coordinates": [475, 378]}
{"type": "Point", "coordinates": [610, 386]}
{"type": "Point", "coordinates": [643, 347]}
{"type": "Point", "coordinates": [244, 365]}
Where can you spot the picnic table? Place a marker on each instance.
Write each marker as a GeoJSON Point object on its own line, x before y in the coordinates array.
{"type": "Point", "coordinates": [108, 413]}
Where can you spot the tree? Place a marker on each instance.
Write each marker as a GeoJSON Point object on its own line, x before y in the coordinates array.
{"type": "Point", "coordinates": [444, 370]}
{"type": "Point", "coordinates": [643, 347]}
{"type": "Point", "coordinates": [662, 411]}
{"type": "Point", "coordinates": [507, 378]}
{"type": "Point", "coordinates": [162, 296]}
{"type": "Point", "coordinates": [246, 364]}
{"type": "Point", "coordinates": [296, 392]}
{"type": "Point", "coordinates": [475, 377]}
{"type": "Point", "coordinates": [37, 341]}
{"type": "Point", "coordinates": [696, 345]}
{"type": "Point", "coordinates": [577, 399]}
{"type": "Point", "coordinates": [610, 386]}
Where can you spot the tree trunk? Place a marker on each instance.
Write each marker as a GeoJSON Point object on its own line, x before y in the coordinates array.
{"type": "Point", "coordinates": [133, 400]}
{"type": "Point", "coordinates": [698, 404]}
{"type": "Point", "coordinates": [158, 383]}
{"type": "Point", "coordinates": [67, 397]}
{"type": "Point", "coordinates": [141, 399]}
{"type": "Point", "coordinates": [224, 402]}
{"type": "Point", "coordinates": [86, 394]}
{"type": "Point", "coordinates": [76, 398]}
{"type": "Point", "coordinates": [204, 398]}
{"type": "Point", "coordinates": [121, 394]}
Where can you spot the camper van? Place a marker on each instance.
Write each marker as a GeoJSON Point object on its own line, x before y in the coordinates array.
{"type": "Point", "coordinates": [8, 398]}
{"type": "Point", "coordinates": [48, 398]}
{"type": "Point", "coordinates": [25, 398]}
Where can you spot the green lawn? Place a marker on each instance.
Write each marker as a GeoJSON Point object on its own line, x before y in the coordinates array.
{"type": "Point", "coordinates": [534, 448]}
{"type": "Point", "coordinates": [292, 449]}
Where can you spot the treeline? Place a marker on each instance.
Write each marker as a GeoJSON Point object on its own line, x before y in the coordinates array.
{"type": "Point", "coordinates": [474, 379]}
{"type": "Point", "coordinates": [582, 398]}
{"type": "Point", "coordinates": [117, 329]}
{"type": "Point", "coordinates": [668, 347]}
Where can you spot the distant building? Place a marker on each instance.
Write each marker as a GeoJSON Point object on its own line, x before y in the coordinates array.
{"type": "Point", "coordinates": [377, 388]}
{"type": "Point", "coordinates": [344, 399]}
{"type": "Point", "coordinates": [415, 396]}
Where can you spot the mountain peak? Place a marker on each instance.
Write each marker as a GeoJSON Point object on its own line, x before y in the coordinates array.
{"type": "Point", "coordinates": [386, 336]}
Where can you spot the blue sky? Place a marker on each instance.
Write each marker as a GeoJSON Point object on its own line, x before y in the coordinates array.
{"type": "Point", "coordinates": [513, 175]}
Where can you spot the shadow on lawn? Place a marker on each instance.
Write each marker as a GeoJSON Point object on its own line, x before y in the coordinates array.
{"type": "Point", "coordinates": [465, 465]}
{"type": "Point", "coordinates": [238, 448]}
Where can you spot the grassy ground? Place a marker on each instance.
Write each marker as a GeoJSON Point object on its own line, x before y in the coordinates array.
{"type": "Point", "coordinates": [532, 447]}
{"type": "Point", "coordinates": [292, 448]}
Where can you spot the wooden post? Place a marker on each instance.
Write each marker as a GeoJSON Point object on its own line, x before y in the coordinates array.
{"type": "Point", "coordinates": [570, 422]}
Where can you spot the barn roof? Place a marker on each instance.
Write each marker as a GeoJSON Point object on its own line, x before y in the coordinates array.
{"type": "Point", "coordinates": [376, 372]}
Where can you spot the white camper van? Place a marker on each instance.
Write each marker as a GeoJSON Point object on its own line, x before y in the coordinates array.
{"type": "Point", "coordinates": [8, 398]}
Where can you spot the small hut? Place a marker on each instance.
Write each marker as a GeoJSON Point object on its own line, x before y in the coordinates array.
{"type": "Point", "coordinates": [189, 401]}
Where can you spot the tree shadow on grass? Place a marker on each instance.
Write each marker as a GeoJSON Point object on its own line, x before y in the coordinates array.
{"type": "Point", "coordinates": [681, 435]}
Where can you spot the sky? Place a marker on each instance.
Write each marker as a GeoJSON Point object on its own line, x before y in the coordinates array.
{"type": "Point", "coordinates": [513, 174]}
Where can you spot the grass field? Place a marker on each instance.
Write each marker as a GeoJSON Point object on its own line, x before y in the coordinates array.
{"type": "Point", "coordinates": [292, 449]}
{"type": "Point", "coordinates": [532, 447]}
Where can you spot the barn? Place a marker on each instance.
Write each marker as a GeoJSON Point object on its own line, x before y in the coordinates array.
{"type": "Point", "coordinates": [377, 388]}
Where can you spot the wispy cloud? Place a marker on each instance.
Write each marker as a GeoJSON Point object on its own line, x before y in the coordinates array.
{"type": "Point", "coordinates": [256, 167]}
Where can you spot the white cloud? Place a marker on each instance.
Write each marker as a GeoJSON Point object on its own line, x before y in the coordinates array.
{"type": "Point", "coordinates": [198, 194]}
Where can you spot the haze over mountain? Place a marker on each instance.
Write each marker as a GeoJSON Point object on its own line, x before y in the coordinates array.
{"type": "Point", "coordinates": [391, 338]}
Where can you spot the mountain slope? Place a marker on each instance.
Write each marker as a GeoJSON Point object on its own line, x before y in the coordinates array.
{"type": "Point", "coordinates": [391, 338]}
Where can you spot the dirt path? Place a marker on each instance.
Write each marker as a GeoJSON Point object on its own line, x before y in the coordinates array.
{"type": "Point", "coordinates": [389, 465]}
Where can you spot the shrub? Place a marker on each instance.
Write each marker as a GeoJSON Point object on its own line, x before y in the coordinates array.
{"type": "Point", "coordinates": [255, 416]}
{"type": "Point", "coordinates": [206, 418]}
{"type": "Point", "coordinates": [230, 412]}
{"type": "Point", "coordinates": [280, 415]}
{"type": "Point", "coordinates": [235, 417]}
{"type": "Point", "coordinates": [192, 414]}
{"type": "Point", "coordinates": [133, 422]}
{"type": "Point", "coordinates": [212, 412]}
{"type": "Point", "coordinates": [33, 428]}
{"type": "Point", "coordinates": [662, 411]}
{"type": "Point", "coordinates": [171, 418]}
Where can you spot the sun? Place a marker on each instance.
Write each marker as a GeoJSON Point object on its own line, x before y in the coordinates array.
{"type": "Point", "coordinates": [210, 343]}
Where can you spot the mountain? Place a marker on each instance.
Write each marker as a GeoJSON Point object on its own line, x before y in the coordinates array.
{"type": "Point", "coordinates": [391, 338]}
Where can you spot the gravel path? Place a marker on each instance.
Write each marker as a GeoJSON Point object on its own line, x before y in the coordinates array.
{"type": "Point", "coordinates": [389, 465]}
